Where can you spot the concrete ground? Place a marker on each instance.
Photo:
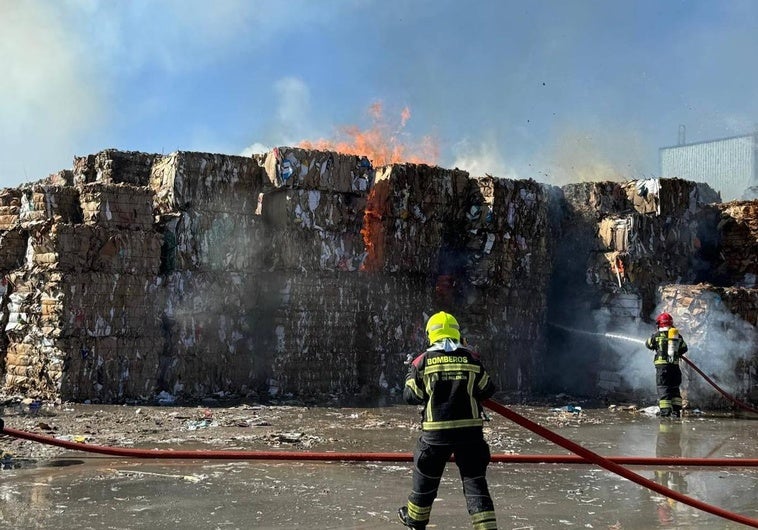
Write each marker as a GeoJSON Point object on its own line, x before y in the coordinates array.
{"type": "Point", "coordinates": [49, 487]}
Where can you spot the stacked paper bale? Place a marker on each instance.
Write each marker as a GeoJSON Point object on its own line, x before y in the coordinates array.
{"type": "Point", "coordinates": [313, 299]}
{"type": "Point", "coordinates": [112, 166]}
{"type": "Point", "coordinates": [413, 211]}
{"type": "Point", "coordinates": [720, 326]}
{"type": "Point", "coordinates": [641, 244]}
{"type": "Point", "coordinates": [10, 207]}
{"type": "Point", "coordinates": [215, 340]}
{"type": "Point", "coordinates": [313, 207]}
{"type": "Point", "coordinates": [211, 262]}
{"type": "Point", "coordinates": [314, 229]}
{"type": "Point", "coordinates": [341, 333]}
{"type": "Point", "coordinates": [738, 242]}
{"type": "Point", "coordinates": [84, 314]}
{"type": "Point", "coordinates": [295, 168]}
{"type": "Point", "coordinates": [506, 275]}
{"type": "Point", "coordinates": [618, 242]}
{"type": "Point", "coordinates": [207, 207]}
{"type": "Point", "coordinates": [40, 203]}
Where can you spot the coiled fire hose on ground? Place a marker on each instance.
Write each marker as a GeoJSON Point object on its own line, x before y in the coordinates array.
{"type": "Point", "coordinates": [581, 456]}
{"type": "Point", "coordinates": [734, 400]}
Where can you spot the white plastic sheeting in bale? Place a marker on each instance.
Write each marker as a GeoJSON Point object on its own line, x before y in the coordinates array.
{"type": "Point", "coordinates": [298, 168]}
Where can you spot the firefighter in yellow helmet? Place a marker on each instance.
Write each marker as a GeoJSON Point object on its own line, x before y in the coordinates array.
{"type": "Point", "coordinates": [669, 346]}
{"type": "Point", "coordinates": [450, 381]}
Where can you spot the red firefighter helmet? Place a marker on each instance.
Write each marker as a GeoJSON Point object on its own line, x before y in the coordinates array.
{"type": "Point", "coordinates": [664, 320]}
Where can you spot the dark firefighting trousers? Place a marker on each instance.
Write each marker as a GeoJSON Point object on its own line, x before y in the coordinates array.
{"type": "Point", "coordinates": [472, 458]}
{"type": "Point", "coordinates": [668, 377]}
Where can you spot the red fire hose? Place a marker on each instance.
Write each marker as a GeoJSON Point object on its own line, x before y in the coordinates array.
{"type": "Point", "coordinates": [582, 455]}
{"type": "Point", "coordinates": [734, 400]}
{"type": "Point", "coordinates": [363, 457]}
{"type": "Point", "coordinates": [614, 467]}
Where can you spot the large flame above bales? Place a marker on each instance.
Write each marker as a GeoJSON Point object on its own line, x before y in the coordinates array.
{"type": "Point", "coordinates": [382, 143]}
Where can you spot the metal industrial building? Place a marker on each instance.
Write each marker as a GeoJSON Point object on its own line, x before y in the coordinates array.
{"type": "Point", "coordinates": [728, 165]}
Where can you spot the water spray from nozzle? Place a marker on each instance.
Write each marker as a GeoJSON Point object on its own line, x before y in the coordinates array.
{"type": "Point", "coordinates": [598, 334]}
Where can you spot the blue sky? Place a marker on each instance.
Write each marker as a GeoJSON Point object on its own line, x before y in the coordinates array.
{"type": "Point", "coordinates": [558, 91]}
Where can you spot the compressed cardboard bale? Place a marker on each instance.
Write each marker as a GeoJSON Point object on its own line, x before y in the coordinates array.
{"type": "Point", "coordinates": [118, 206]}
{"type": "Point", "coordinates": [30, 372]}
{"type": "Point", "coordinates": [357, 345]}
{"type": "Point", "coordinates": [738, 241]}
{"type": "Point", "coordinates": [13, 247]}
{"type": "Point", "coordinates": [421, 192]}
{"type": "Point", "coordinates": [102, 304]}
{"type": "Point", "coordinates": [670, 196]}
{"type": "Point", "coordinates": [207, 182]}
{"type": "Point", "coordinates": [64, 177]}
{"type": "Point", "coordinates": [201, 240]}
{"type": "Point", "coordinates": [88, 248]}
{"type": "Point", "coordinates": [41, 203]}
{"type": "Point", "coordinates": [410, 213]}
{"type": "Point", "coordinates": [109, 369]}
{"type": "Point", "coordinates": [317, 250]}
{"type": "Point", "coordinates": [112, 166]}
{"type": "Point", "coordinates": [680, 196]}
{"type": "Point", "coordinates": [597, 199]}
{"type": "Point", "coordinates": [54, 304]}
{"type": "Point", "coordinates": [313, 209]}
{"type": "Point", "coordinates": [215, 341]}
{"type": "Point", "coordinates": [10, 207]}
{"type": "Point", "coordinates": [210, 353]}
{"type": "Point", "coordinates": [190, 292]}
{"type": "Point", "coordinates": [506, 230]}
{"type": "Point", "coordinates": [614, 233]}
{"type": "Point", "coordinates": [292, 167]}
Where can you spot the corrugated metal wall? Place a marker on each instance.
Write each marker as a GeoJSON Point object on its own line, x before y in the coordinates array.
{"type": "Point", "coordinates": [729, 165]}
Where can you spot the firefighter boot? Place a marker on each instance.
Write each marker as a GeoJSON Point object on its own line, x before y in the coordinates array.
{"type": "Point", "coordinates": [402, 514]}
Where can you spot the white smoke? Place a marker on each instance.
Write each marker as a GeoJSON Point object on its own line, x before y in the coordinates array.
{"type": "Point", "coordinates": [720, 343]}
{"type": "Point", "coordinates": [623, 338]}
{"type": "Point", "coordinates": [292, 123]}
{"type": "Point", "coordinates": [481, 157]}
{"type": "Point", "coordinates": [50, 91]}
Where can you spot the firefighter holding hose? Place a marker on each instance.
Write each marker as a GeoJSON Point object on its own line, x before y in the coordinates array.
{"type": "Point", "coordinates": [669, 346]}
{"type": "Point", "coordinates": [450, 381]}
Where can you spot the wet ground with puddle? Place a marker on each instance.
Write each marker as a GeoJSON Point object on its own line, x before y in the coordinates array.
{"type": "Point", "coordinates": [49, 487]}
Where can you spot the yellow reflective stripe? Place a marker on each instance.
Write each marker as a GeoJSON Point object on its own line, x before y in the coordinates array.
{"type": "Point", "coordinates": [484, 381]}
{"type": "Point", "coordinates": [676, 401]}
{"type": "Point", "coordinates": [430, 391]}
{"type": "Point", "coordinates": [486, 525]}
{"type": "Point", "coordinates": [452, 368]}
{"type": "Point", "coordinates": [664, 361]}
{"type": "Point", "coordinates": [411, 383]}
{"type": "Point", "coordinates": [470, 390]}
{"type": "Point", "coordinates": [419, 513]}
{"type": "Point", "coordinates": [664, 403]}
{"type": "Point", "coordinates": [450, 424]}
{"type": "Point", "coordinates": [483, 517]}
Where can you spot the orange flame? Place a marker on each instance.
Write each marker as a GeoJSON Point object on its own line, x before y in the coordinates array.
{"type": "Point", "coordinates": [380, 143]}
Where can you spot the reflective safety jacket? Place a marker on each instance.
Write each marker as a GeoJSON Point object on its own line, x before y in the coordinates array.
{"type": "Point", "coordinates": [659, 342]}
{"type": "Point", "coordinates": [450, 385]}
